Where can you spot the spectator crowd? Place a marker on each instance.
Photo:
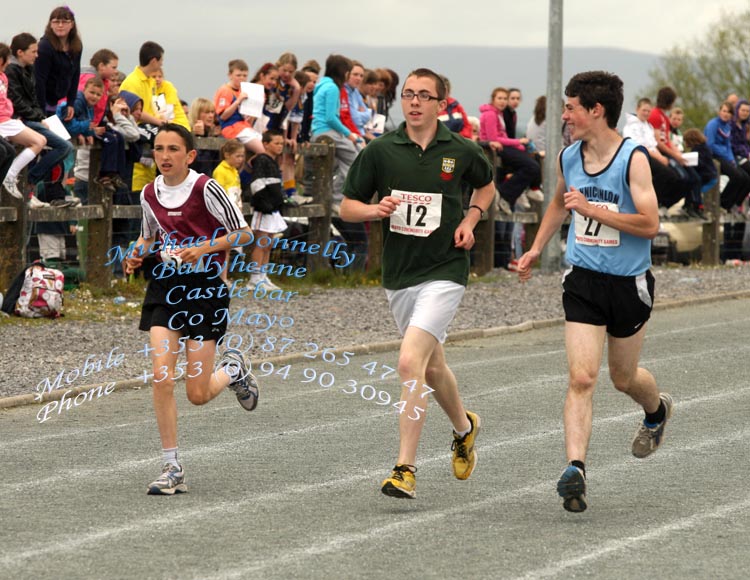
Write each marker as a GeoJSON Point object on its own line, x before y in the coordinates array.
{"type": "Point", "coordinates": [48, 102]}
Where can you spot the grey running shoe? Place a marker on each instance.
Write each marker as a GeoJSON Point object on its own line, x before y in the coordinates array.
{"type": "Point", "coordinates": [244, 384]}
{"type": "Point", "coordinates": [648, 439]}
{"type": "Point", "coordinates": [572, 488]}
{"type": "Point", "coordinates": [172, 481]}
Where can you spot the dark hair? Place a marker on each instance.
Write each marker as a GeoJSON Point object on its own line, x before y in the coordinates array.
{"type": "Point", "coordinates": [74, 40]}
{"type": "Point", "coordinates": [666, 97]}
{"type": "Point", "coordinates": [601, 87]}
{"type": "Point", "coordinates": [424, 73]}
{"type": "Point", "coordinates": [514, 90]}
{"type": "Point", "coordinates": [390, 93]}
{"type": "Point", "coordinates": [270, 134]}
{"type": "Point", "coordinates": [237, 64]}
{"type": "Point", "coordinates": [149, 50]}
{"type": "Point", "coordinates": [337, 65]}
{"type": "Point", "coordinates": [103, 56]}
{"type": "Point", "coordinates": [21, 42]}
{"type": "Point", "coordinates": [4, 52]}
{"type": "Point", "coordinates": [263, 70]}
{"type": "Point", "coordinates": [540, 109]}
{"type": "Point", "coordinates": [187, 136]}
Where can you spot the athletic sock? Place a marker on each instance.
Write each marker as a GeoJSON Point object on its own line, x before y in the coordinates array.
{"type": "Point", "coordinates": [579, 465]}
{"type": "Point", "coordinates": [653, 419]}
{"type": "Point", "coordinates": [463, 434]}
{"type": "Point", "coordinates": [22, 160]}
{"type": "Point", "coordinates": [170, 456]}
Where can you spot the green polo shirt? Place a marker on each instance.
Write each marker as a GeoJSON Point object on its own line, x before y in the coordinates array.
{"type": "Point", "coordinates": [395, 162]}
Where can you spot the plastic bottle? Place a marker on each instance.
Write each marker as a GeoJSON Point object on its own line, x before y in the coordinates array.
{"type": "Point", "coordinates": [120, 300]}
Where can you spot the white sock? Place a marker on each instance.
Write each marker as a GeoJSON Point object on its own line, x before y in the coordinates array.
{"type": "Point", "coordinates": [22, 160]}
{"type": "Point", "coordinates": [463, 433]}
{"type": "Point", "coordinates": [255, 278]}
{"type": "Point", "coordinates": [170, 456]}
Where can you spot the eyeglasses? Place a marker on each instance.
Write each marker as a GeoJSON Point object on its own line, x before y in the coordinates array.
{"type": "Point", "coordinates": [423, 96]}
{"type": "Point", "coordinates": [60, 22]}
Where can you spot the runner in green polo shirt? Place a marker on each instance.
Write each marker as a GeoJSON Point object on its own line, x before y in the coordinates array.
{"type": "Point", "coordinates": [417, 173]}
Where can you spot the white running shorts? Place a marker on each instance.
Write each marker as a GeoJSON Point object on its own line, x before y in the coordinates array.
{"type": "Point", "coordinates": [430, 306]}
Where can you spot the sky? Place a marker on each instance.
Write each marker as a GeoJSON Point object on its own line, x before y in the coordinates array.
{"type": "Point", "coordinates": [181, 24]}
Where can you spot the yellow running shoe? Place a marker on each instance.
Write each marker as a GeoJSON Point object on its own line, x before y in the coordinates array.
{"type": "Point", "coordinates": [401, 483]}
{"type": "Point", "coordinates": [464, 457]}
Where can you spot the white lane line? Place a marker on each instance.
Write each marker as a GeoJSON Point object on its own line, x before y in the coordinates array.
{"type": "Point", "coordinates": [207, 450]}
{"type": "Point", "coordinates": [620, 544]}
{"type": "Point", "coordinates": [67, 433]}
{"type": "Point", "coordinates": [232, 508]}
{"type": "Point", "coordinates": [335, 544]}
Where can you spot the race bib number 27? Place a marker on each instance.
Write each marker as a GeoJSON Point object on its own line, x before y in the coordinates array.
{"type": "Point", "coordinates": [418, 214]}
{"type": "Point", "coordinates": [590, 232]}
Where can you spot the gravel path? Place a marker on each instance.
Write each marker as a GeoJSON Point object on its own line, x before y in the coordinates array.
{"type": "Point", "coordinates": [329, 318]}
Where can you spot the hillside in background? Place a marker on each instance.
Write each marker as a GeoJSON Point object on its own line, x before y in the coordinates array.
{"type": "Point", "coordinates": [473, 71]}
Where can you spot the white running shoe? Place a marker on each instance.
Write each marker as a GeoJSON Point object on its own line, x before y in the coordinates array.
{"type": "Point", "coordinates": [522, 202]}
{"type": "Point", "coordinates": [269, 286]}
{"type": "Point", "coordinates": [535, 195]}
{"type": "Point", "coordinates": [35, 203]}
{"type": "Point", "coordinates": [11, 186]}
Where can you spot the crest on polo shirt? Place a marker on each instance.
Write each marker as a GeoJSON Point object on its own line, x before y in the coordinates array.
{"type": "Point", "coordinates": [449, 165]}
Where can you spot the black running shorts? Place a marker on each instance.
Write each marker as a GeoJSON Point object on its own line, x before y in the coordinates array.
{"type": "Point", "coordinates": [201, 317]}
{"type": "Point", "coordinates": [621, 303]}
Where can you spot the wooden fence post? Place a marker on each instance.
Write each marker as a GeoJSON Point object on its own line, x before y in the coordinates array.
{"type": "Point", "coordinates": [712, 229]}
{"type": "Point", "coordinates": [322, 193]}
{"type": "Point", "coordinates": [100, 230]}
{"type": "Point", "coordinates": [13, 231]}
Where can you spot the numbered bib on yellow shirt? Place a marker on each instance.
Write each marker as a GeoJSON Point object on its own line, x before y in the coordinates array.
{"type": "Point", "coordinates": [590, 232]}
{"type": "Point", "coordinates": [418, 214]}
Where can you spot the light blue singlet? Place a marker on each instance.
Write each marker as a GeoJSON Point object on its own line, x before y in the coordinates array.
{"type": "Point", "coordinates": [592, 245]}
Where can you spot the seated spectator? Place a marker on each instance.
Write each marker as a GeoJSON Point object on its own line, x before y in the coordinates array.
{"type": "Point", "coordinates": [510, 116]}
{"type": "Point", "coordinates": [360, 113]}
{"type": "Point", "coordinates": [740, 127]}
{"type": "Point", "coordinates": [167, 102]}
{"type": "Point", "coordinates": [369, 89]}
{"type": "Point", "coordinates": [83, 128]}
{"type": "Point", "coordinates": [695, 141]}
{"type": "Point", "coordinates": [17, 133]}
{"type": "Point", "coordinates": [227, 101]}
{"type": "Point", "coordinates": [667, 183]}
{"type": "Point", "coordinates": [454, 116]}
{"type": "Point", "coordinates": [474, 122]}
{"type": "Point", "coordinates": [525, 171]}
{"type": "Point", "coordinates": [22, 93]}
{"type": "Point", "coordinates": [104, 64]}
{"type": "Point", "coordinates": [202, 117]}
{"type": "Point", "coordinates": [659, 120]}
{"type": "Point", "coordinates": [718, 132]}
{"type": "Point", "coordinates": [676, 118]}
{"type": "Point", "coordinates": [312, 70]}
{"type": "Point", "coordinates": [536, 130]}
{"type": "Point", "coordinates": [115, 83]}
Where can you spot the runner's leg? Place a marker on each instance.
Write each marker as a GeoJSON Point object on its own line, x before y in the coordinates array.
{"type": "Point", "coordinates": [585, 345]}
{"type": "Point", "coordinates": [441, 378]}
{"type": "Point", "coordinates": [627, 376]}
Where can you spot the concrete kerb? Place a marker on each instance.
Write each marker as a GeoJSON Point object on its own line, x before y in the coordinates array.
{"type": "Point", "coordinates": [374, 347]}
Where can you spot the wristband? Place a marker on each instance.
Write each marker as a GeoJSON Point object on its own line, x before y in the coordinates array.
{"type": "Point", "coordinates": [481, 211]}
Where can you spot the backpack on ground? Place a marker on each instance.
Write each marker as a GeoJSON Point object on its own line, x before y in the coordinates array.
{"type": "Point", "coordinates": [41, 292]}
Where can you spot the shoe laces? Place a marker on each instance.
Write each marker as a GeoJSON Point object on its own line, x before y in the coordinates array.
{"type": "Point", "coordinates": [459, 446]}
{"type": "Point", "coordinates": [398, 471]}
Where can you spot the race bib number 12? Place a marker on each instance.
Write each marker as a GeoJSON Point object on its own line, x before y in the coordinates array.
{"type": "Point", "coordinates": [418, 214]}
{"type": "Point", "coordinates": [590, 232]}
